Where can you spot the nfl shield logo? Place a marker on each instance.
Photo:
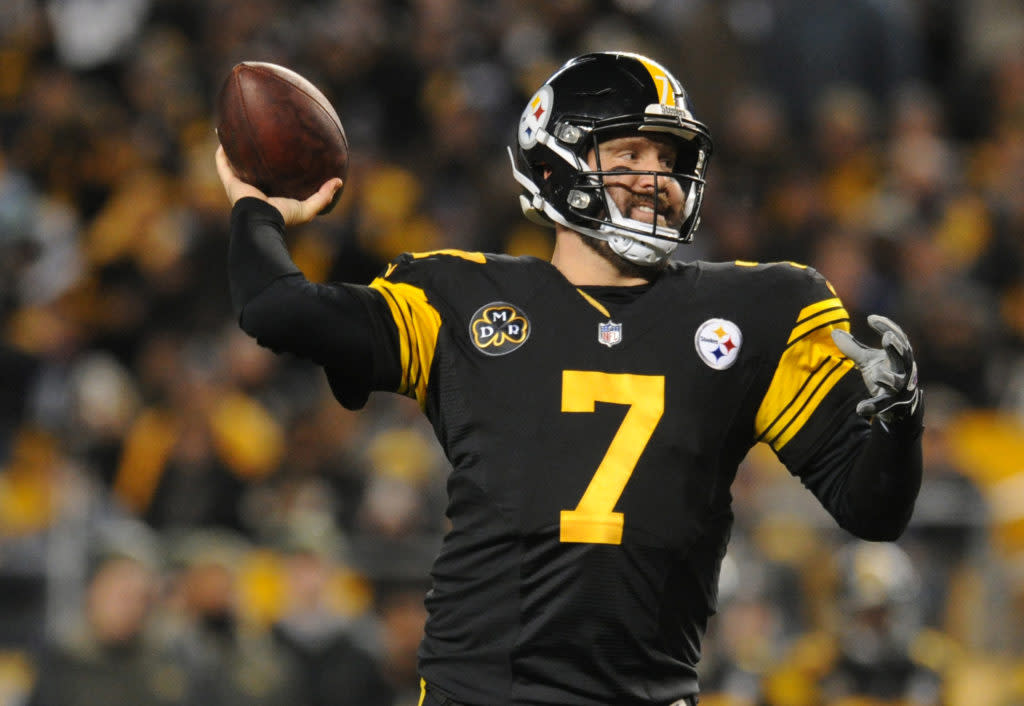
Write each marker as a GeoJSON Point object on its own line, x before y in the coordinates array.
{"type": "Point", "coordinates": [609, 333]}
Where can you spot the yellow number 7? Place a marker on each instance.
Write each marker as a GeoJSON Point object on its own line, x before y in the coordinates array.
{"type": "Point", "coordinates": [594, 520]}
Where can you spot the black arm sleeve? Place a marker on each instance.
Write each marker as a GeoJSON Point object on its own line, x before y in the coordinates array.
{"type": "Point", "coordinates": [345, 328]}
{"type": "Point", "coordinates": [869, 482]}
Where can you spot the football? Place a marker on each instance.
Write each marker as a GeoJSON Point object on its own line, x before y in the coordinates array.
{"type": "Point", "coordinates": [280, 132]}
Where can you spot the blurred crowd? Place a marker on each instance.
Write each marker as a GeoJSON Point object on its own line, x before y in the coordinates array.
{"type": "Point", "coordinates": [186, 518]}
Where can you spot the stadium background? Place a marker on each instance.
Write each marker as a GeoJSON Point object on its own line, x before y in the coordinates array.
{"type": "Point", "coordinates": [881, 142]}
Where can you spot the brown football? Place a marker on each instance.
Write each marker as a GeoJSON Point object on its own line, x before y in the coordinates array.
{"type": "Point", "coordinates": [280, 132]}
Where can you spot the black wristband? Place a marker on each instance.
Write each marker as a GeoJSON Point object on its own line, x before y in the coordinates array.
{"type": "Point", "coordinates": [909, 427]}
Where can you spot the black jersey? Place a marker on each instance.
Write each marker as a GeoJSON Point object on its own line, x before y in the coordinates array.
{"type": "Point", "coordinates": [592, 454]}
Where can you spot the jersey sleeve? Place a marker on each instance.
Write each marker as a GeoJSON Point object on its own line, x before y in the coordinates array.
{"type": "Point", "coordinates": [413, 286]}
{"type": "Point", "coordinates": [865, 475]}
{"type": "Point", "coordinates": [812, 388]}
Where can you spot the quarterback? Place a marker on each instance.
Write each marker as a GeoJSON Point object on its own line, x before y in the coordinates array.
{"type": "Point", "coordinates": [595, 407]}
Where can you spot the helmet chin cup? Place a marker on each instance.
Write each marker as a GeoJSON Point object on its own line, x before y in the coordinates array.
{"type": "Point", "coordinates": [637, 252]}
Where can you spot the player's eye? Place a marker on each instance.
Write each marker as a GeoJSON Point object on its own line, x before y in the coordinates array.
{"type": "Point", "coordinates": [624, 156]}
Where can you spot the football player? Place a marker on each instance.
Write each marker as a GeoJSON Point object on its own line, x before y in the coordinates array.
{"type": "Point", "coordinates": [595, 407]}
{"type": "Point", "coordinates": [879, 620]}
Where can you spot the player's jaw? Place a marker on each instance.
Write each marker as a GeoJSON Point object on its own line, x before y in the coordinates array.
{"type": "Point", "coordinates": [623, 267]}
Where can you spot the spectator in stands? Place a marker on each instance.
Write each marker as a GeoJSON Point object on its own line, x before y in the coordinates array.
{"type": "Point", "coordinates": [113, 659]}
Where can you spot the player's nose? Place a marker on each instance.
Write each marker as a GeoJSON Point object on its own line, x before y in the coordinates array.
{"type": "Point", "coordinates": [651, 177]}
{"type": "Point", "coordinates": [650, 163]}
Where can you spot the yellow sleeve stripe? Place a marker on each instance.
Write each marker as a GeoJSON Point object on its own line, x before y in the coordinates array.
{"type": "Point", "coordinates": [753, 263]}
{"type": "Point", "coordinates": [825, 313]}
{"type": "Point", "coordinates": [817, 307]}
{"type": "Point", "coordinates": [418, 324]}
{"type": "Point", "coordinates": [464, 254]}
{"type": "Point", "coordinates": [807, 371]}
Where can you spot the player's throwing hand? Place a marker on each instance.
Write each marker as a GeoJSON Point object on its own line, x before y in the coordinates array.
{"type": "Point", "coordinates": [293, 211]}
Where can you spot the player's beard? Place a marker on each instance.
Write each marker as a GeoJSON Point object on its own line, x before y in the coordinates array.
{"type": "Point", "coordinates": [624, 267]}
{"type": "Point", "coordinates": [626, 202]}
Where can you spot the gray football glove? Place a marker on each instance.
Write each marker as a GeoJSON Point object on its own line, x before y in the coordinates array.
{"type": "Point", "coordinates": [889, 372]}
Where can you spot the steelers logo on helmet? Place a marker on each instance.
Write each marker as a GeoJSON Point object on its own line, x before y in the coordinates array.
{"type": "Point", "coordinates": [498, 328]}
{"type": "Point", "coordinates": [718, 343]}
{"type": "Point", "coordinates": [535, 116]}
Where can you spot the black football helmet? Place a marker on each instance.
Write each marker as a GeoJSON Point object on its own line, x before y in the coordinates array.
{"type": "Point", "coordinates": [592, 98]}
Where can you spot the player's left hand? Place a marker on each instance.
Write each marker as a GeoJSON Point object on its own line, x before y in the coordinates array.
{"type": "Point", "coordinates": [889, 372]}
{"type": "Point", "coordinates": [293, 211]}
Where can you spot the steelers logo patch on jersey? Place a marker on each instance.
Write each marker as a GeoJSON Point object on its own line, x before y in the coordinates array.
{"type": "Point", "coordinates": [499, 328]}
{"type": "Point", "coordinates": [718, 342]}
{"type": "Point", "coordinates": [535, 116]}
